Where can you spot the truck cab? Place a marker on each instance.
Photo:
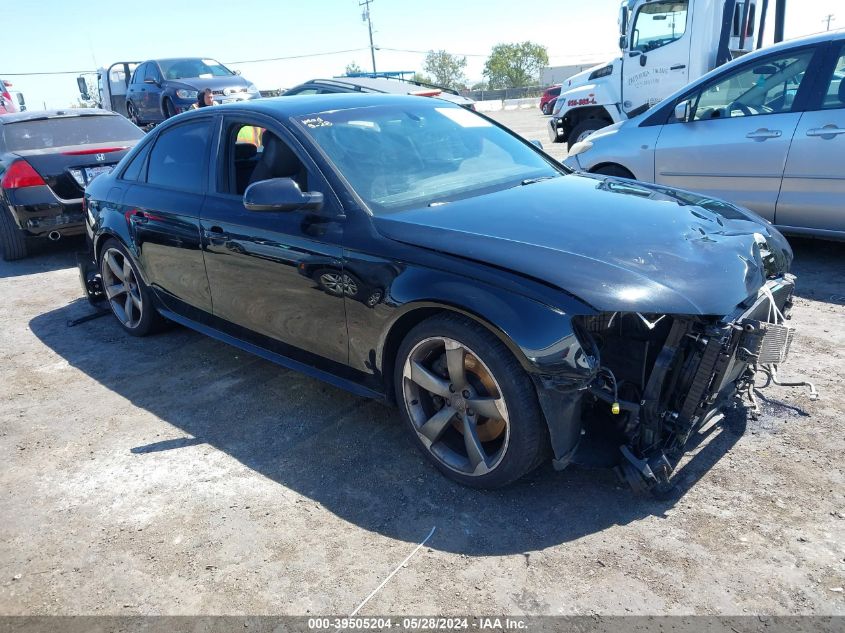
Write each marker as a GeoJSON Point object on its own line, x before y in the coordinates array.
{"type": "Point", "coordinates": [664, 45]}
{"type": "Point", "coordinates": [112, 86]}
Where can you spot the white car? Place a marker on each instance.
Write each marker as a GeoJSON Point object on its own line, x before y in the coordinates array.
{"type": "Point", "coordinates": [766, 131]}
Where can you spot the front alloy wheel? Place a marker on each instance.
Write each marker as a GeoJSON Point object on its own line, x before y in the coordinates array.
{"type": "Point", "coordinates": [468, 403]}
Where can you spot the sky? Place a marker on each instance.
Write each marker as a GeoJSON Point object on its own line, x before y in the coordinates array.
{"type": "Point", "coordinates": [57, 35]}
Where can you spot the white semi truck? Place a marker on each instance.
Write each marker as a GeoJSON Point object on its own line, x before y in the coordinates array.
{"type": "Point", "coordinates": [665, 44]}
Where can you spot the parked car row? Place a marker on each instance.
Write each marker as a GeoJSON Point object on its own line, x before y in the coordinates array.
{"type": "Point", "coordinates": [766, 131]}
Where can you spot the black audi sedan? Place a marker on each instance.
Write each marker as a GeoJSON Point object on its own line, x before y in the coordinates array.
{"type": "Point", "coordinates": [46, 160]}
{"type": "Point", "coordinates": [410, 250]}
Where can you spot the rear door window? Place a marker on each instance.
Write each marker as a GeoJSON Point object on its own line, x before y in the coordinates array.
{"type": "Point", "coordinates": [178, 158]}
{"type": "Point", "coordinates": [834, 97]}
{"type": "Point", "coordinates": [67, 131]}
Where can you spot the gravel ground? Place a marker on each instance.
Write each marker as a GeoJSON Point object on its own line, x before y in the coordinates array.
{"type": "Point", "coordinates": [177, 475]}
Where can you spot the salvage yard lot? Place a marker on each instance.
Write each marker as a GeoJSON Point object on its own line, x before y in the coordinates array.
{"type": "Point", "coordinates": [178, 475]}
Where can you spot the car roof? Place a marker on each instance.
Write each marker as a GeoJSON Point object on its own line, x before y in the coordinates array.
{"type": "Point", "coordinates": [69, 113]}
{"type": "Point", "coordinates": [177, 59]}
{"type": "Point", "coordinates": [299, 105]}
{"type": "Point", "coordinates": [385, 84]}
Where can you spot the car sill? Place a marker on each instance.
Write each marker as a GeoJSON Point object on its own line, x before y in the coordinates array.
{"type": "Point", "coordinates": [273, 357]}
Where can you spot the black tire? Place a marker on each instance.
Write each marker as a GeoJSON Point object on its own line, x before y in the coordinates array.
{"type": "Point", "coordinates": [13, 244]}
{"type": "Point", "coordinates": [517, 450]}
{"type": "Point", "coordinates": [169, 109]}
{"type": "Point", "coordinates": [585, 126]}
{"type": "Point", "coordinates": [616, 171]}
{"type": "Point", "coordinates": [132, 114]}
{"type": "Point", "coordinates": [149, 320]}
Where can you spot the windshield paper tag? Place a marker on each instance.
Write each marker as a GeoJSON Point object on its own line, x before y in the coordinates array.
{"type": "Point", "coordinates": [315, 122]}
{"type": "Point", "coordinates": [464, 118]}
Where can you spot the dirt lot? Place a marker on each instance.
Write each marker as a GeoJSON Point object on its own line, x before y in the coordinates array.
{"type": "Point", "coordinates": [178, 475]}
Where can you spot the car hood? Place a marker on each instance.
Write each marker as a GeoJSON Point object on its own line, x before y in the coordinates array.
{"type": "Point", "coordinates": [616, 244]}
{"type": "Point", "coordinates": [215, 83]}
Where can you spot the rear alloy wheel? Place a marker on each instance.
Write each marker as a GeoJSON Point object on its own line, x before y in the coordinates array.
{"type": "Point", "coordinates": [468, 403]}
{"type": "Point", "coordinates": [129, 299]}
{"type": "Point", "coordinates": [12, 240]}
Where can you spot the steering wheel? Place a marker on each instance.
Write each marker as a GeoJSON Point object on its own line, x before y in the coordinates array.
{"type": "Point", "coordinates": [736, 105]}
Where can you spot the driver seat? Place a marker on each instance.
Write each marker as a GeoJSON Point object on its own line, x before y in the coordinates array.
{"type": "Point", "coordinates": [278, 161]}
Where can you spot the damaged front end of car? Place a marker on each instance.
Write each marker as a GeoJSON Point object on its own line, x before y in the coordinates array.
{"type": "Point", "coordinates": [662, 377]}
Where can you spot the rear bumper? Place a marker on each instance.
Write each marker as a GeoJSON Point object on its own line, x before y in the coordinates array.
{"type": "Point", "coordinates": [43, 222]}
{"type": "Point", "coordinates": [39, 212]}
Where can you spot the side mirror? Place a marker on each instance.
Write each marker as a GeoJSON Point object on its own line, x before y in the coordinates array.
{"type": "Point", "coordinates": [281, 194]}
{"type": "Point", "coordinates": [643, 59]}
{"type": "Point", "coordinates": [623, 42]}
{"type": "Point", "coordinates": [682, 111]}
{"type": "Point", "coordinates": [83, 88]}
{"type": "Point", "coordinates": [536, 143]}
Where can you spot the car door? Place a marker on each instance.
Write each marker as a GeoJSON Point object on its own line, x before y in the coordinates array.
{"type": "Point", "coordinates": [163, 207]}
{"type": "Point", "coordinates": [137, 88]}
{"type": "Point", "coordinates": [813, 187]}
{"type": "Point", "coordinates": [152, 96]}
{"type": "Point", "coordinates": [658, 61]}
{"type": "Point", "coordinates": [736, 139]}
{"type": "Point", "coordinates": [267, 269]}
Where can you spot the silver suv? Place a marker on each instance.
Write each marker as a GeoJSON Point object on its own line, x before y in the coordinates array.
{"type": "Point", "coordinates": [766, 131]}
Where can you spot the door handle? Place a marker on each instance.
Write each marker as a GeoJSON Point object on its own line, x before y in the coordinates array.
{"type": "Point", "coordinates": [216, 235]}
{"type": "Point", "coordinates": [678, 67]}
{"type": "Point", "coordinates": [827, 131]}
{"type": "Point", "coordinates": [762, 134]}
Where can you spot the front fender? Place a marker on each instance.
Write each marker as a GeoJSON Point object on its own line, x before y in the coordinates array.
{"type": "Point", "coordinates": [541, 337]}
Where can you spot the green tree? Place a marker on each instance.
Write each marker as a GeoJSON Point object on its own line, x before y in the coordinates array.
{"type": "Point", "coordinates": [447, 70]}
{"type": "Point", "coordinates": [352, 68]}
{"type": "Point", "coordinates": [421, 78]}
{"type": "Point", "coordinates": [515, 65]}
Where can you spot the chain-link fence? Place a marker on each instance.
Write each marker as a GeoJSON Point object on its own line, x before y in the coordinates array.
{"type": "Point", "coordinates": [504, 93]}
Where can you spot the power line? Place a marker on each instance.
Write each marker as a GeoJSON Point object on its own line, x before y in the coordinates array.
{"type": "Point", "coordinates": [278, 59]}
{"type": "Point", "coordinates": [829, 18]}
{"type": "Point", "coordinates": [245, 61]}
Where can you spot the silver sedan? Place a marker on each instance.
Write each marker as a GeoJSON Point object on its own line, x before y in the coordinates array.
{"type": "Point", "coordinates": [766, 131]}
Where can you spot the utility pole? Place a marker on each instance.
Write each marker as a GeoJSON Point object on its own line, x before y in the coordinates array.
{"type": "Point", "coordinates": [365, 16]}
{"type": "Point", "coordinates": [829, 18]}
{"type": "Point", "coordinates": [780, 19]}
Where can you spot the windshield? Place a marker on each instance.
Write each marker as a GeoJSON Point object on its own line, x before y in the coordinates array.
{"type": "Point", "coordinates": [659, 24]}
{"type": "Point", "coordinates": [191, 68]}
{"type": "Point", "coordinates": [400, 157]}
{"type": "Point", "coordinates": [66, 131]}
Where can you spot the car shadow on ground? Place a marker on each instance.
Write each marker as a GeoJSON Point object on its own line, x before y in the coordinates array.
{"type": "Point", "coordinates": [44, 256]}
{"type": "Point", "coordinates": [820, 267]}
{"type": "Point", "coordinates": [347, 453]}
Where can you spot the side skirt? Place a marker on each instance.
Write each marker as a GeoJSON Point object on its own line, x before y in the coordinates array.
{"type": "Point", "coordinates": [273, 357]}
